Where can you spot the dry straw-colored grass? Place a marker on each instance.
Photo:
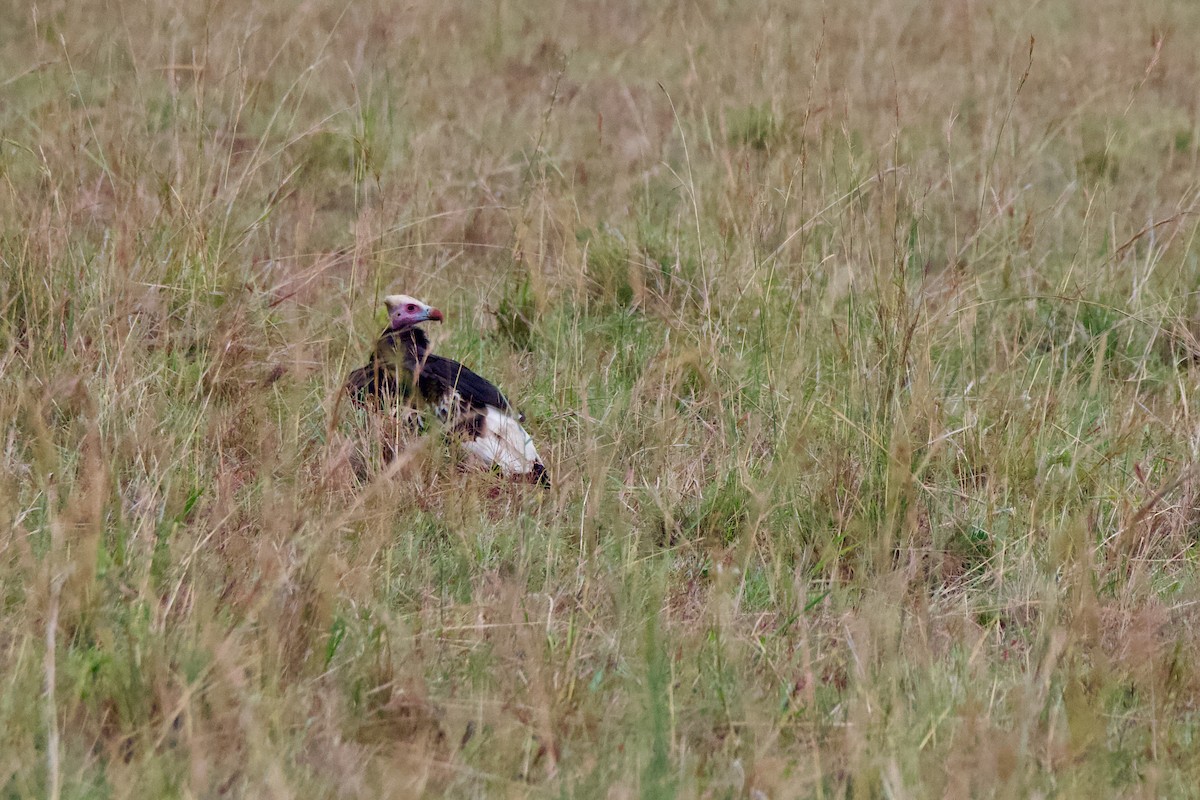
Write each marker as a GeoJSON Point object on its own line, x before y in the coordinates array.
{"type": "Point", "coordinates": [861, 340]}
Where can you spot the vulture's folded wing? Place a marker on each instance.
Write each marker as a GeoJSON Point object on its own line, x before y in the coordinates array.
{"type": "Point", "coordinates": [476, 411]}
{"type": "Point", "coordinates": [438, 376]}
{"type": "Point", "coordinates": [372, 386]}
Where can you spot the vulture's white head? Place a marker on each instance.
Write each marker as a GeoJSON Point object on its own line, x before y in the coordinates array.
{"type": "Point", "coordinates": [405, 312]}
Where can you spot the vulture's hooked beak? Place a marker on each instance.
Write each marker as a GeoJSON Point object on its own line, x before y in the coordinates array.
{"type": "Point", "coordinates": [433, 315]}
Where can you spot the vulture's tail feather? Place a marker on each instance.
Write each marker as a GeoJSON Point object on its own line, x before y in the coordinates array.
{"type": "Point", "coordinates": [539, 475]}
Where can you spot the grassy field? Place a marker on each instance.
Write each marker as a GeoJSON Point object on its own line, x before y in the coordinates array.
{"type": "Point", "coordinates": [861, 340]}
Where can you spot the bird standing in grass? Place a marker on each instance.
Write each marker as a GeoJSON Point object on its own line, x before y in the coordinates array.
{"type": "Point", "coordinates": [401, 372]}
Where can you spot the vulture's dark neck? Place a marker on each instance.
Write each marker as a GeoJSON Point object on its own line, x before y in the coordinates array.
{"type": "Point", "coordinates": [416, 341]}
{"type": "Point", "coordinates": [412, 342]}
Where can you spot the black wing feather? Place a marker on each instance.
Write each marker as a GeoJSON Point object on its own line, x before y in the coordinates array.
{"type": "Point", "coordinates": [373, 386]}
{"type": "Point", "coordinates": [438, 375]}
{"type": "Point", "coordinates": [378, 382]}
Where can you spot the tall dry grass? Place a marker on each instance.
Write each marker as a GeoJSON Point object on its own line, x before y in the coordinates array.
{"type": "Point", "coordinates": [860, 339]}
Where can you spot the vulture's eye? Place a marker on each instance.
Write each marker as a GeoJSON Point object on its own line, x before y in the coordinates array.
{"type": "Point", "coordinates": [410, 307]}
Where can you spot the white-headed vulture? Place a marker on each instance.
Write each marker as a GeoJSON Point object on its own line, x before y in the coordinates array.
{"type": "Point", "coordinates": [402, 372]}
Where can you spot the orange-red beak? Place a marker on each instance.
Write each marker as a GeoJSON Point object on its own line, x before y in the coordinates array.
{"type": "Point", "coordinates": [434, 315]}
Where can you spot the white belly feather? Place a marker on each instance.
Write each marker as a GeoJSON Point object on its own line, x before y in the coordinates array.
{"type": "Point", "coordinates": [497, 440]}
{"type": "Point", "coordinates": [503, 442]}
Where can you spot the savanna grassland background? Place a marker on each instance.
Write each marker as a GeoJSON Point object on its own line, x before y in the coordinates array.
{"type": "Point", "coordinates": [860, 338]}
